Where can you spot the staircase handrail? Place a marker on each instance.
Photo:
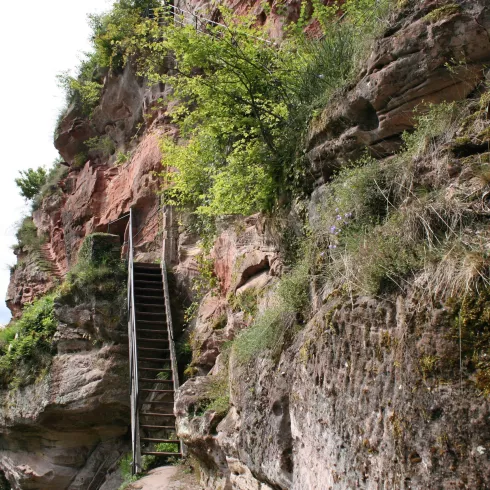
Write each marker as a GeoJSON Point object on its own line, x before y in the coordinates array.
{"type": "Point", "coordinates": [133, 356]}
{"type": "Point", "coordinates": [168, 313]}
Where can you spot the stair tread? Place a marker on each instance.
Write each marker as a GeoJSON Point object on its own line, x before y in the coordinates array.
{"type": "Point", "coordinates": [145, 296]}
{"type": "Point", "coordinates": [154, 453]}
{"type": "Point", "coordinates": [153, 414]}
{"type": "Point", "coordinates": [158, 402]}
{"type": "Point", "coordinates": [141, 368]}
{"type": "Point", "coordinates": [157, 427]}
{"type": "Point", "coordinates": [154, 359]}
{"type": "Point", "coordinates": [147, 265]}
{"type": "Point", "coordinates": [152, 340]}
{"type": "Point", "coordinates": [153, 439]}
{"type": "Point", "coordinates": [156, 380]}
{"type": "Point", "coordinates": [149, 390]}
{"type": "Point", "coordinates": [153, 348]}
{"type": "Point", "coordinates": [149, 305]}
{"type": "Point", "coordinates": [152, 313]}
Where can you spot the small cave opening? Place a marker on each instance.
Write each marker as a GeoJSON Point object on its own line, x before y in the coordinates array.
{"type": "Point", "coordinates": [118, 227]}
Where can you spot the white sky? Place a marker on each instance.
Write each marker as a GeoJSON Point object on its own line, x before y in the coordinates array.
{"type": "Point", "coordinates": [39, 39]}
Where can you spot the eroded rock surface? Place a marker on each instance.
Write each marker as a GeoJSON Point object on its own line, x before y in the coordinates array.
{"type": "Point", "coordinates": [68, 427]}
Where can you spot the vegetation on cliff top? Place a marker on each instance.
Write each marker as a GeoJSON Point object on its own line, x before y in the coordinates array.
{"type": "Point", "coordinates": [244, 101]}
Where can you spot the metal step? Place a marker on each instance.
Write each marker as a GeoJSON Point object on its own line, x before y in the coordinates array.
{"type": "Point", "coordinates": [152, 322]}
{"type": "Point", "coordinates": [152, 414]}
{"type": "Point", "coordinates": [151, 313]}
{"type": "Point", "coordinates": [147, 380]}
{"type": "Point", "coordinates": [147, 276]}
{"type": "Point", "coordinates": [172, 427]}
{"type": "Point", "coordinates": [153, 348]}
{"type": "Point", "coordinates": [156, 391]}
{"type": "Point", "coordinates": [146, 297]}
{"type": "Point", "coordinates": [141, 368]}
{"type": "Point", "coordinates": [142, 339]}
{"type": "Point", "coordinates": [152, 453]}
{"type": "Point", "coordinates": [150, 439]}
{"type": "Point", "coordinates": [150, 305]}
{"type": "Point", "coordinates": [148, 290]}
{"type": "Point", "coordinates": [153, 359]}
{"type": "Point", "coordinates": [152, 284]}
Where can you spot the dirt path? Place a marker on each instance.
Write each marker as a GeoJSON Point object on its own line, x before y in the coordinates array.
{"type": "Point", "coordinates": [167, 478]}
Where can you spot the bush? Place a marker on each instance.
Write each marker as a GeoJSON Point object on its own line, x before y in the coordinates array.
{"type": "Point", "coordinates": [31, 181]}
{"type": "Point", "coordinates": [288, 308]}
{"type": "Point", "coordinates": [55, 174]}
{"type": "Point", "coordinates": [26, 346]}
{"type": "Point", "coordinates": [102, 144]}
{"type": "Point", "coordinates": [27, 236]}
{"type": "Point", "coordinates": [99, 272]}
{"type": "Point", "coordinates": [245, 111]}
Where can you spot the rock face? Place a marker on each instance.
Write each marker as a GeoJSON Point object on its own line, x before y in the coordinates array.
{"type": "Point", "coordinates": [429, 55]}
{"type": "Point", "coordinates": [368, 395]}
{"type": "Point", "coordinates": [347, 406]}
{"type": "Point", "coordinates": [357, 399]}
{"type": "Point", "coordinates": [66, 430]}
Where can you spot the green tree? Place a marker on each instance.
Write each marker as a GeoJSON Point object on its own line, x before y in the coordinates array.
{"type": "Point", "coordinates": [31, 181]}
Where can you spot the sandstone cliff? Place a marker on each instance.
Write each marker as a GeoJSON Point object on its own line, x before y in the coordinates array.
{"type": "Point", "coordinates": [372, 390]}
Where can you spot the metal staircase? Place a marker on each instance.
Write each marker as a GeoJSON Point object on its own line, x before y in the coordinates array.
{"type": "Point", "coordinates": [153, 365]}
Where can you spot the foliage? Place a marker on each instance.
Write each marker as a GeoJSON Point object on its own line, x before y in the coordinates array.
{"type": "Point", "coordinates": [218, 395]}
{"type": "Point", "coordinates": [125, 467]}
{"type": "Point", "coordinates": [377, 223]}
{"type": "Point", "coordinates": [205, 281]}
{"type": "Point", "coordinates": [167, 447]}
{"type": "Point", "coordinates": [99, 273]}
{"type": "Point", "coordinates": [85, 88]}
{"type": "Point", "coordinates": [31, 181]}
{"type": "Point", "coordinates": [55, 174]}
{"type": "Point", "coordinates": [27, 236]}
{"type": "Point", "coordinates": [244, 105]}
{"type": "Point", "coordinates": [26, 346]}
{"type": "Point", "coordinates": [102, 144]}
{"type": "Point", "coordinates": [288, 308]}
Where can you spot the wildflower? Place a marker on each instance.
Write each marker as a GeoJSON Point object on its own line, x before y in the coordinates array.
{"type": "Point", "coordinates": [333, 228]}
{"type": "Point", "coordinates": [332, 246]}
{"type": "Point", "coordinates": [339, 218]}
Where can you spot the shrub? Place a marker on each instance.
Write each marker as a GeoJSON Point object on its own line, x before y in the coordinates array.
{"type": "Point", "coordinates": [244, 112]}
{"type": "Point", "coordinates": [99, 272]}
{"type": "Point", "coordinates": [26, 346]}
{"type": "Point", "coordinates": [55, 174]}
{"type": "Point", "coordinates": [31, 181]}
{"type": "Point", "coordinates": [102, 144]}
{"type": "Point", "coordinates": [289, 307]}
{"type": "Point", "coordinates": [27, 236]}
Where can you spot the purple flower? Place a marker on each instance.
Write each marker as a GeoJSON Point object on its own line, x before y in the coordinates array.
{"type": "Point", "coordinates": [348, 215]}
{"type": "Point", "coordinates": [336, 210]}
{"type": "Point", "coordinates": [339, 218]}
{"type": "Point", "coordinates": [332, 229]}
{"type": "Point", "coordinates": [332, 246]}
{"type": "Point", "coordinates": [322, 254]}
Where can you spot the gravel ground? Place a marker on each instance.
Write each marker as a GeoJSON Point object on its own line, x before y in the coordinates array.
{"type": "Point", "coordinates": [168, 478]}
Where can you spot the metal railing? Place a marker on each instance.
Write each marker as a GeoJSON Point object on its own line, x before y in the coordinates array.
{"type": "Point", "coordinates": [183, 17]}
{"type": "Point", "coordinates": [133, 356]}
{"type": "Point", "coordinates": [171, 342]}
